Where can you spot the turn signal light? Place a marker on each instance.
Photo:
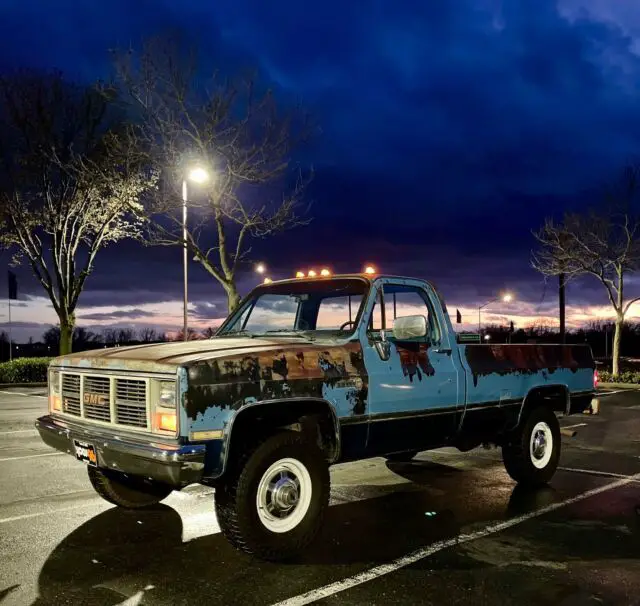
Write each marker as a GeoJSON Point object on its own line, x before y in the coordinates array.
{"type": "Point", "coordinates": [167, 421]}
{"type": "Point", "coordinates": [55, 403]}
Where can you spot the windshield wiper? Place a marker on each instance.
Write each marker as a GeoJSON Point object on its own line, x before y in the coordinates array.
{"type": "Point", "coordinates": [285, 332]}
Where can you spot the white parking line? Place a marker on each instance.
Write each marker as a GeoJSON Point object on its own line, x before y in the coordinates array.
{"type": "Point", "coordinates": [384, 569]}
{"type": "Point", "coordinates": [594, 472]}
{"type": "Point", "coordinates": [55, 512]}
{"type": "Point", "coordinates": [20, 393]}
{"type": "Point", "coordinates": [6, 433]}
{"type": "Point", "coordinates": [573, 426]}
{"type": "Point", "coordinates": [46, 454]}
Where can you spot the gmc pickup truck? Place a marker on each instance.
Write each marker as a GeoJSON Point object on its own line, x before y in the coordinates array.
{"type": "Point", "coordinates": [306, 373]}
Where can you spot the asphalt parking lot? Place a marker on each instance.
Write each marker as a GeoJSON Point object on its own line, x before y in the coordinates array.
{"type": "Point", "coordinates": [448, 528]}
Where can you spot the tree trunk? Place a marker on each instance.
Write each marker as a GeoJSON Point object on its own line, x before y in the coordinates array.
{"type": "Point", "coordinates": [617, 338]}
{"type": "Point", "coordinates": [67, 324]}
{"type": "Point", "coordinates": [233, 297]}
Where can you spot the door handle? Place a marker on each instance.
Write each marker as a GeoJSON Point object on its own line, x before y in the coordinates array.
{"type": "Point", "coordinates": [444, 350]}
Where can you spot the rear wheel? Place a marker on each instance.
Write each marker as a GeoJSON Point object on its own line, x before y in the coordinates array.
{"type": "Point", "coordinates": [127, 491]}
{"type": "Point", "coordinates": [531, 456]}
{"type": "Point", "coordinates": [273, 501]}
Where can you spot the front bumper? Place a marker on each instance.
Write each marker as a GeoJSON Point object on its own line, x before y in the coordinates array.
{"type": "Point", "coordinates": [164, 461]}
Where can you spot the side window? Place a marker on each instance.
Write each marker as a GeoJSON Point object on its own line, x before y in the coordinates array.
{"type": "Point", "coordinates": [400, 301]}
{"type": "Point", "coordinates": [335, 311]}
{"type": "Point", "coordinates": [375, 320]}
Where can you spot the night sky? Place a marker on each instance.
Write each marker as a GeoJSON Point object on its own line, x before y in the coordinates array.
{"type": "Point", "coordinates": [449, 130]}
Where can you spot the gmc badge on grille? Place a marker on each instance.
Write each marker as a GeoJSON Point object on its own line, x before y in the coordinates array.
{"type": "Point", "coordinates": [95, 399]}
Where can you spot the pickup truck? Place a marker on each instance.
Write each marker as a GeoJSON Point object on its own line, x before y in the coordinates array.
{"type": "Point", "coordinates": [307, 372]}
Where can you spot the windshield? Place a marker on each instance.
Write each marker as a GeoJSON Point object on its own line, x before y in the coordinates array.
{"type": "Point", "coordinates": [307, 309]}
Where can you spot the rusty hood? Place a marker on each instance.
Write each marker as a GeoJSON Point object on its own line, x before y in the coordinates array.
{"type": "Point", "coordinates": [165, 357]}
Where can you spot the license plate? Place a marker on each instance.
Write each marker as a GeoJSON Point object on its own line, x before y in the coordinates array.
{"type": "Point", "coordinates": [86, 453]}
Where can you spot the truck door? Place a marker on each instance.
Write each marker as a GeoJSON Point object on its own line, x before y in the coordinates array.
{"type": "Point", "coordinates": [415, 384]}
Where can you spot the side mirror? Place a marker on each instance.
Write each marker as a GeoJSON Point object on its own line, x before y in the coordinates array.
{"type": "Point", "coordinates": [410, 327]}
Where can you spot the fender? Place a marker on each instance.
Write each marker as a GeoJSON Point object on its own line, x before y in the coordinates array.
{"type": "Point", "coordinates": [228, 431]}
{"type": "Point", "coordinates": [553, 387]}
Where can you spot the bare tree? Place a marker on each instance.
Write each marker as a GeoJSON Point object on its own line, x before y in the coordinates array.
{"type": "Point", "coordinates": [70, 183]}
{"type": "Point", "coordinates": [604, 244]}
{"type": "Point", "coordinates": [192, 335]}
{"type": "Point", "coordinates": [237, 134]}
{"type": "Point", "coordinates": [149, 335]}
{"type": "Point", "coordinates": [209, 332]}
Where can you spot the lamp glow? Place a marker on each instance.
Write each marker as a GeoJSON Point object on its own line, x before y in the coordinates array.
{"type": "Point", "coordinates": [267, 281]}
{"type": "Point", "coordinates": [312, 273]}
{"type": "Point", "coordinates": [325, 272]}
{"type": "Point", "coordinates": [260, 268]}
{"type": "Point", "coordinates": [507, 297]}
{"type": "Point", "coordinates": [369, 269]}
{"type": "Point", "coordinates": [198, 175]}
{"type": "Point", "coordinates": [299, 274]}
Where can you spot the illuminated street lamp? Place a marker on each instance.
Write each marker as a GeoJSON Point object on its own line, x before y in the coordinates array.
{"type": "Point", "coordinates": [197, 175]}
{"type": "Point", "coordinates": [260, 268]}
{"type": "Point", "coordinates": [506, 297]}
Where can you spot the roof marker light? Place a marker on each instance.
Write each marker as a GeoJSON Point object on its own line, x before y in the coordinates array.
{"type": "Point", "coordinates": [267, 281]}
{"type": "Point", "coordinates": [299, 274]}
{"type": "Point", "coordinates": [325, 272]}
{"type": "Point", "coordinates": [312, 273]}
{"type": "Point", "coordinates": [369, 269]}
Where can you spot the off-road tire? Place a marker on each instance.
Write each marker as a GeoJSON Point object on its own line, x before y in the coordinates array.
{"type": "Point", "coordinates": [236, 498]}
{"type": "Point", "coordinates": [401, 457]}
{"type": "Point", "coordinates": [517, 454]}
{"type": "Point", "coordinates": [127, 492]}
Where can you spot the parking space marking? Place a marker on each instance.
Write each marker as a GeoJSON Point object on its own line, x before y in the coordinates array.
{"type": "Point", "coordinates": [6, 433]}
{"type": "Point", "coordinates": [595, 472]}
{"type": "Point", "coordinates": [384, 569]}
{"type": "Point", "coordinates": [574, 426]}
{"type": "Point", "coordinates": [46, 454]}
{"type": "Point", "coordinates": [20, 393]}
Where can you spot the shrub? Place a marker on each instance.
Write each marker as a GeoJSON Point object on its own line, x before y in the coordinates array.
{"type": "Point", "coordinates": [627, 376]}
{"type": "Point", "coordinates": [24, 370]}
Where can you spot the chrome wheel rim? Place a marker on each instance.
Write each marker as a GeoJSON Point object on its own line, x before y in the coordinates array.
{"type": "Point", "coordinates": [541, 445]}
{"type": "Point", "coordinates": [284, 495]}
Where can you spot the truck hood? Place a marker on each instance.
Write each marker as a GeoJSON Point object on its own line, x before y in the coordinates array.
{"type": "Point", "coordinates": [165, 357]}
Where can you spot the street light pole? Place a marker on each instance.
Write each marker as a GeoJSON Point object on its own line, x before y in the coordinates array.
{"type": "Point", "coordinates": [506, 298]}
{"type": "Point", "coordinates": [184, 257]}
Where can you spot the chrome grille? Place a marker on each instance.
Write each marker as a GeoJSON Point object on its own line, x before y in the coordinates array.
{"type": "Point", "coordinates": [116, 401]}
{"type": "Point", "coordinates": [97, 398]}
{"type": "Point", "coordinates": [131, 402]}
{"type": "Point", "coordinates": [71, 394]}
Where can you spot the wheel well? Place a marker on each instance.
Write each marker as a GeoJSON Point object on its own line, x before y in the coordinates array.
{"type": "Point", "coordinates": [315, 418]}
{"type": "Point", "coordinates": [555, 397]}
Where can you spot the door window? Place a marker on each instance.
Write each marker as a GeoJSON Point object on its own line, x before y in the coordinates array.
{"type": "Point", "coordinates": [401, 301]}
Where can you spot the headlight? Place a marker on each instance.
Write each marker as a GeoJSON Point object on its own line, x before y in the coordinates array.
{"type": "Point", "coordinates": [54, 381]}
{"type": "Point", "coordinates": [167, 395]}
{"type": "Point", "coordinates": [55, 403]}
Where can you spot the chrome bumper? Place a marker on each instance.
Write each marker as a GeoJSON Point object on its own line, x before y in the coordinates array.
{"type": "Point", "coordinates": [164, 461]}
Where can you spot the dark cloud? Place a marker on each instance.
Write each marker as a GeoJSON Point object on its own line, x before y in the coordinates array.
{"type": "Point", "coordinates": [132, 314]}
{"type": "Point", "coordinates": [449, 130]}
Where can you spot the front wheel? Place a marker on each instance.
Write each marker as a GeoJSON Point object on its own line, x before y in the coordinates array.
{"type": "Point", "coordinates": [273, 500]}
{"type": "Point", "coordinates": [125, 491]}
{"type": "Point", "coordinates": [531, 455]}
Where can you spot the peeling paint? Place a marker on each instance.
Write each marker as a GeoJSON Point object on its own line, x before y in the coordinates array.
{"type": "Point", "coordinates": [335, 372]}
{"type": "Point", "coordinates": [526, 359]}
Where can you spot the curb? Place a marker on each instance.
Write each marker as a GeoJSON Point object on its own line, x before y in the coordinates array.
{"type": "Point", "coordinates": [5, 385]}
{"type": "Point", "coordinates": [620, 385]}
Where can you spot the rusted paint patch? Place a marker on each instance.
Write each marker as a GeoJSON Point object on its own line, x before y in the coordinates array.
{"type": "Point", "coordinates": [526, 359]}
{"type": "Point", "coordinates": [414, 358]}
{"type": "Point", "coordinates": [303, 371]}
